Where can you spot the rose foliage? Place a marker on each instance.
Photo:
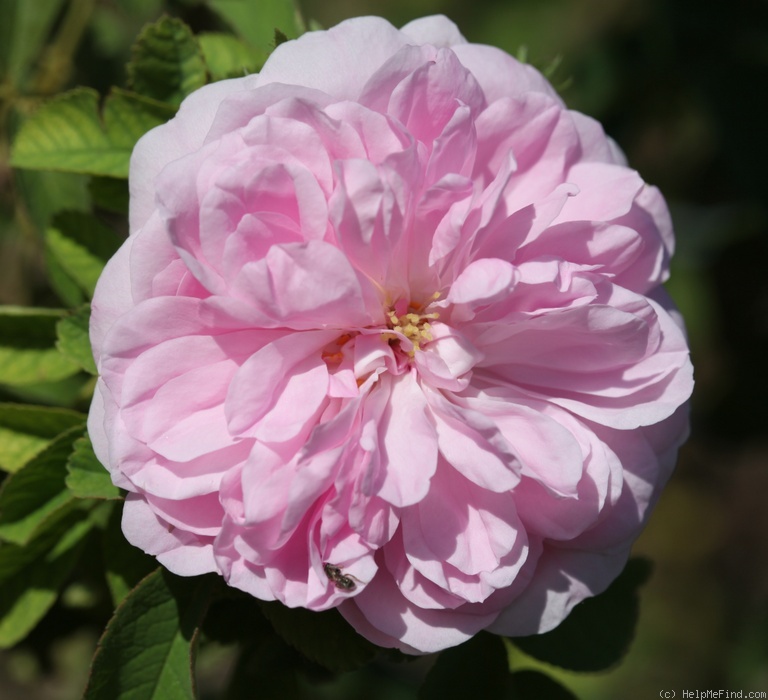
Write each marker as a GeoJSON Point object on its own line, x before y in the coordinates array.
{"type": "Point", "coordinates": [388, 335]}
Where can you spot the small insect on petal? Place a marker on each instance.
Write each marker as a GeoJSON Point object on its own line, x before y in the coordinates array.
{"type": "Point", "coordinates": [342, 581]}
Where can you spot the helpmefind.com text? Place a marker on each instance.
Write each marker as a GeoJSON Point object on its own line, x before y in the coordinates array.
{"type": "Point", "coordinates": [707, 694]}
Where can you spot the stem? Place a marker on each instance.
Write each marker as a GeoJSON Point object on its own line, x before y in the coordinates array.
{"type": "Point", "coordinates": [56, 62]}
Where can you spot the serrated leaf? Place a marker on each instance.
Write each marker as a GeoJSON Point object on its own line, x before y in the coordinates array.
{"type": "Point", "coordinates": [25, 431]}
{"type": "Point", "coordinates": [27, 351]}
{"type": "Point", "coordinates": [69, 134]}
{"type": "Point", "coordinates": [599, 631]}
{"type": "Point", "coordinates": [125, 564]}
{"type": "Point", "coordinates": [323, 637]}
{"type": "Point", "coordinates": [166, 62]}
{"type": "Point", "coordinates": [227, 56]}
{"type": "Point", "coordinates": [86, 476]}
{"type": "Point", "coordinates": [35, 497]}
{"type": "Point", "coordinates": [39, 571]}
{"type": "Point", "coordinates": [256, 21]}
{"type": "Point", "coordinates": [476, 669]}
{"type": "Point", "coordinates": [147, 648]}
{"type": "Point", "coordinates": [74, 341]}
{"type": "Point", "coordinates": [82, 245]}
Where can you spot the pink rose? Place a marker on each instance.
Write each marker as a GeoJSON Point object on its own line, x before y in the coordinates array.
{"type": "Point", "coordinates": [389, 335]}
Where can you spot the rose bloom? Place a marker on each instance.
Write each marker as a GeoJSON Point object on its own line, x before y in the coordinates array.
{"type": "Point", "coordinates": [388, 335]}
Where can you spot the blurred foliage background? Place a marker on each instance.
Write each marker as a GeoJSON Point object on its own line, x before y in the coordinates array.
{"type": "Point", "coordinates": [681, 85]}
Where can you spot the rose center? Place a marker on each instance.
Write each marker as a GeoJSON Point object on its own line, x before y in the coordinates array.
{"type": "Point", "coordinates": [414, 324]}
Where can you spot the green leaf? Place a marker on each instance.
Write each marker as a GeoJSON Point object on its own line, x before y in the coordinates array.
{"type": "Point", "coordinates": [14, 558]}
{"type": "Point", "coordinates": [25, 431]}
{"type": "Point", "coordinates": [82, 245]}
{"type": "Point", "coordinates": [77, 248]}
{"type": "Point", "coordinates": [39, 571]}
{"type": "Point", "coordinates": [74, 341]}
{"type": "Point", "coordinates": [476, 669]}
{"type": "Point", "coordinates": [146, 651]}
{"type": "Point", "coordinates": [256, 21]}
{"type": "Point", "coordinates": [87, 477]}
{"type": "Point", "coordinates": [68, 133]}
{"type": "Point", "coordinates": [599, 631]}
{"type": "Point", "coordinates": [227, 56]}
{"type": "Point", "coordinates": [66, 392]}
{"type": "Point", "coordinates": [125, 564]}
{"type": "Point", "coordinates": [27, 351]}
{"type": "Point", "coordinates": [323, 637]}
{"type": "Point", "coordinates": [533, 685]}
{"type": "Point", "coordinates": [35, 497]}
{"type": "Point", "coordinates": [46, 193]}
{"type": "Point", "coordinates": [167, 63]}
{"type": "Point", "coordinates": [65, 287]}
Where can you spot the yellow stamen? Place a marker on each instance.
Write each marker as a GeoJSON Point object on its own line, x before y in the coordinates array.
{"type": "Point", "coordinates": [414, 326]}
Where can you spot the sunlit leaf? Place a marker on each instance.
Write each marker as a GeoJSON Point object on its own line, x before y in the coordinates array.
{"type": "Point", "coordinates": [167, 62]}
{"type": "Point", "coordinates": [87, 477]}
{"type": "Point", "coordinates": [68, 133]}
{"type": "Point", "coordinates": [64, 392]}
{"type": "Point", "coordinates": [147, 648]}
{"type": "Point", "coordinates": [25, 431]}
{"type": "Point", "coordinates": [73, 341]}
{"type": "Point", "coordinates": [27, 351]}
{"type": "Point", "coordinates": [35, 497]}
{"type": "Point", "coordinates": [39, 572]}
